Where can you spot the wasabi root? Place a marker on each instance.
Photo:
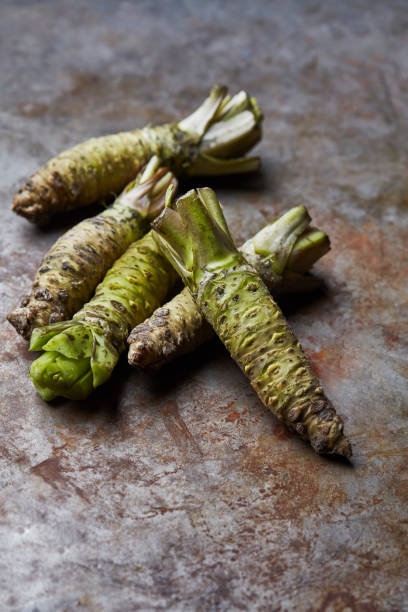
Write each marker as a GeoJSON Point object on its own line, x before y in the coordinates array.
{"type": "Point", "coordinates": [81, 354]}
{"type": "Point", "coordinates": [77, 262]}
{"type": "Point", "coordinates": [280, 255]}
{"type": "Point", "coordinates": [230, 293]}
{"type": "Point", "coordinates": [211, 141]}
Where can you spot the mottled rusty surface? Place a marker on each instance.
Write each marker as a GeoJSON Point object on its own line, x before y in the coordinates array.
{"type": "Point", "coordinates": [180, 492]}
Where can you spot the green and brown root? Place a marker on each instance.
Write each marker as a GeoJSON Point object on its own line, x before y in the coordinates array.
{"type": "Point", "coordinates": [282, 253]}
{"type": "Point", "coordinates": [173, 330]}
{"type": "Point", "coordinates": [237, 304]}
{"type": "Point", "coordinates": [81, 354]}
{"type": "Point", "coordinates": [77, 262]}
{"type": "Point", "coordinates": [254, 330]}
{"type": "Point", "coordinates": [213, 140]}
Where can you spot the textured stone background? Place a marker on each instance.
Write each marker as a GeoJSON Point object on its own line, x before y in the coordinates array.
{"type": "Point", "coordinates": [179, 492]}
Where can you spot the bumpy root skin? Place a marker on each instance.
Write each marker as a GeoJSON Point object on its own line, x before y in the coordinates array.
{"type": "Point", "coordinates": [253, 329]}
{"type": "Point", "coordinates": [100, 167]}
{"type": "Point", "coordinates": [93, 171]}
{"type": "Point", "coordinates": [179, 327]}
{"type": "Point", "coordinates": [137, 283]}
{"type": "Point", "coordinates": [77, 262]}
{"type": "Point", "coordinates": [234, 300]}
{"type": "Point", "coordinates": [173, 330]}
{"type": "Point", "coordinates": [71, 270]}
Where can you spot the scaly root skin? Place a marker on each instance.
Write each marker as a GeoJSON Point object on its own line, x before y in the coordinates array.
{"type": "Point", "coordinates": [73, 267]}
{"type": "Point", "coordinates": [174, 329]}
{"type": "Point", "coordinates": [253, 329]}
{"type": "Point", "coordinates": [237, 304]}
{"type": "Point", "coordinates": [84, 351]}
{"type": "Point", "coordinates": [281, 253]}
{"type": "Point", "coordinates": [210, 141]}
{"type": "Point", "coordinates": [88, 172]}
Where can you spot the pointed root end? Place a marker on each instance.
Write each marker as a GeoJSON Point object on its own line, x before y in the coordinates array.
{"type": "Point", "coordinates": [22, 321]}
{"type": "Point", "coordinates": [142, 348]}
{"type": "Point", "coordinates": [136, 356]}
{"type": "Point", "coordinates": [29, 207]}
{"type": "Point", "coordinates": [343, 448]}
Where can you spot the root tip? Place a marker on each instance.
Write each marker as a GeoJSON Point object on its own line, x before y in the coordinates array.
{"type": "Point", "coordinates": [20, 318]}
{"type": "Point", "coordinates": [343, 448]}
{"type": "Point", "coordinates": [135, 355]}
{"type": "Point", "coordinates": [26, 206]}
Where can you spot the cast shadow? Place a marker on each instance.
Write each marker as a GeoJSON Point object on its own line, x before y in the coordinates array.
{"type": "Point", "coordinates": [103, 404]}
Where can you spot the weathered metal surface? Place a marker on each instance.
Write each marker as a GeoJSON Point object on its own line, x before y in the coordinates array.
{"type": "Point", "coordinates": [179, 492]}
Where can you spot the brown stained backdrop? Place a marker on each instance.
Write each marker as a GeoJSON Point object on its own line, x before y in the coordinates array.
{"type": "Point", "coordinates": [179, 492]}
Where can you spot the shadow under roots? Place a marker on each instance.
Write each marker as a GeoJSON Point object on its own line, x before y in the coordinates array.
{"type": "Point", "coordinates": [62, 222]}
{"type": "Point", "coordinates": [103, 401]}
{"type": "Point", "coordinates": [172, 376]}
{"type": "Point", "coordinates": [250, 182]}
{"type": "Point", "coordinates": [348, 463]}
{"type": "Point", "coordinates": [291, 304]}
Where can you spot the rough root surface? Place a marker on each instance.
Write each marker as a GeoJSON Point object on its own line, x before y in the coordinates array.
{"type": "Point", "coordinates": [173, 330]}
{"type": "Point", "coordinates": [73, 267]}
{"type": "Point", "coordinates": [254, 330]}
{"type": "Point", "coordinates": [94, 170]}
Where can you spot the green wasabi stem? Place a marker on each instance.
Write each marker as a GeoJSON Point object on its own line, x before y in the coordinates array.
{"type": "Point", "coordinates": [282, 253]}
{"type": "Point", "coordinates": [237, 304]}
{"type": "Point", "coordinates": [77, 262]}
{"type": "Point", "coordinates": [303, 254]}
{"type": "Point", "coordinates": [80, 354]}
{"type": "Point", "coordinates": [77, 380]}
{"type": "Point", "coordinates": [212, 141]}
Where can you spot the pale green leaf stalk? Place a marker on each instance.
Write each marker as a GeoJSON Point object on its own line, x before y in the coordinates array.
{"type": "Point", "coordinates": [234, 300]}
{"type": "Point", "coordinates": [81, 354]}
{"type": "Point", "coordinates": [78, 261]}
{"type": "Point", "coordinates": [211, 141]}
{"type": "Point", "coordinates": [280, 255]}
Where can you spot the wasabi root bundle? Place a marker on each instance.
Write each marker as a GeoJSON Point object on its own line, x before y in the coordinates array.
{"type": "Point", "coordinates": [211, 141]}
{"type": "Point", "coordinates": [194, 236]}
{"type": "Point", "coordinates": [78, 261]}
{"type": "Point", "coordinates": [227, 291]}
